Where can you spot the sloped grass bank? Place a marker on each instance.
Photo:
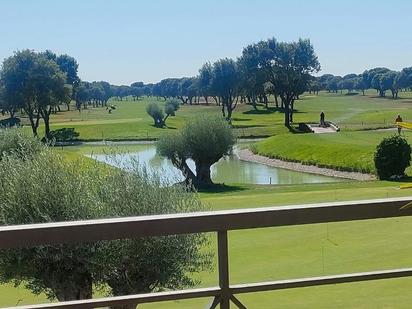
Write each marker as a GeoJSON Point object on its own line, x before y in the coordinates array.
{"type": "Point", "coordinates": [344, 151]}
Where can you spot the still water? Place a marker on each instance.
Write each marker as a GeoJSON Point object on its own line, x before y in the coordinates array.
{"type": "Point", "coordinates": [227, 170]}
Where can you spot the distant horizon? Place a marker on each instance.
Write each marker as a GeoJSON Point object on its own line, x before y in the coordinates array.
{"type": "Point", "coordinates": [124, 42]}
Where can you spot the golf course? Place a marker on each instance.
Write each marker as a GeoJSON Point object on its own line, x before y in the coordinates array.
{"type": "Point", "coordinates": [205, 154]}
{"type": "Point", "coordinates": [291, 252]}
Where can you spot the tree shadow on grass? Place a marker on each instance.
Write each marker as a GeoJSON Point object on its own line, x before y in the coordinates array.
{"type": "Point", "coordinates": [241, 119]}
{"type": "Point", "coordinates": [270, 110]}
{"type": "Point", "coordinates": [165, 127]}
{"type": "Point", "coordinates": [407, 179]}
{"type": "Point", "coordinates": [265, 111]}
{"type": "Point", "coordinates": [222, 188]}
{"type": "Point", "coordinates": [245, 126]}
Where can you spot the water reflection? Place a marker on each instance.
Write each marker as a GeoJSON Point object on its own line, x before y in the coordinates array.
{"type": "Point", "coordinates": [227, 170]}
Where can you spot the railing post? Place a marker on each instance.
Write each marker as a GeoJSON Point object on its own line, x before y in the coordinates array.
{"type": "Point", "coordinates": [223, 258]}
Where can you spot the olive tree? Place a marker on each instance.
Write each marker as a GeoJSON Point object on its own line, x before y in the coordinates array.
{"type": "Point", "coordinates": [205, 139]}
{"type": "Point", "coordinates": [154, 111]}
{"type": "Point", "coordinates": [49, 188]}
{"type": "Point", "coordinates": [148, 264]}
{"type": "Point", "coordinates": [158, 115]}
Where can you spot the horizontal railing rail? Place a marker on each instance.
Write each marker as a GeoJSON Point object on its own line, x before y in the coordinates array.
{"type": "Point", "coordinates": [19, 236]}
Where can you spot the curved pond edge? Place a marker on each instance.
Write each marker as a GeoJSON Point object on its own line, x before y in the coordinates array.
{"type": "Point", "coordinates": [247, 155]}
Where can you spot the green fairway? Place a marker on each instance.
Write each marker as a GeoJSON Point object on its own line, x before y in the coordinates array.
{"type": "Point", "coordinates": [130, 122]}
{"type": "Point", "coordinates": [291, 252]}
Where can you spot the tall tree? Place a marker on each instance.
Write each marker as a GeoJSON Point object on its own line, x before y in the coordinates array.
{"type": "Point", "coordinates": [404, 78]}
{"type": "Point", "coordinates": [389, 81]}
{"type": "Point", "coordinates": [253, 76]}
{"type": "Point", "coordinates": [289, 67]}
{"type": "Point", "coordinates": [69, 66]}
{"type": "Point", "coordinates": [35, 83]}
{"type": "Point", "coordinates": [205, 81]}
{"type": "Point", "coordinates": [225, 83]}
{"type": "Point", "coordinates": [372, 79]}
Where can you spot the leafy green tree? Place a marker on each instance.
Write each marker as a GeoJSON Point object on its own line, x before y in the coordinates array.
{"type": "Point", "coordinates": [389, 81]}
{"type": "Point", "coordinates": [187, 89]}
{"type": "Point", "coordinates": [332, 84]}
{"type": "Point", "coordinates": [372, 79]}
{"type": "Point", "coordinates": [83, 95]}
{"type": "Point", "coordinates": [205, 139]}
{"type": "Point", "coordinates": [376, 84]}
{"type": "Point", "coordinates": [69, 66]}
{"type": "Point", "coordinates": [205, 80]}
{"type": "Point", "coordinates": [6, 106]}
{"type": "Point", "coordinates": [289, 67]}
{"type": "Point", "coordinates": [253, 76]}
{"type": "Point", "coordinates": [348, 82]}
{"type": "Point", "coordinates": [35, 83]}
{"type": "Point", "coordinates": [404, 78]}
{"type": "Point", "coordinates": [314, 86]}
{"type": "Point", "coordinates": [360, 84]}
{"type": "Point", "coordinates": [225, 84]}
{"type": "Point", "coordinates": [136, 92]}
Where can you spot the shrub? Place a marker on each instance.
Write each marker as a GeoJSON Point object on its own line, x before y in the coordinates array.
{"type": "Point", "coordinates": [15, 141]}
{"type": "Point", "coordinates": [64, 135]}
{"type": "Point", "coordinates": [392, 157]}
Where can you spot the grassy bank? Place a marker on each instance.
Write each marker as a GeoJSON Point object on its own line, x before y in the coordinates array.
{"type": "Point", "coordinates": [349, 151]}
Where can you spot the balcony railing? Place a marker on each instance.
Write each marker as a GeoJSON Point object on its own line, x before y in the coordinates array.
{"type": "Point", "coordinates": [216, 221]}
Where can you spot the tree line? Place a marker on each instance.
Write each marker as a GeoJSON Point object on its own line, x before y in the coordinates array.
{"type": "Point", "coordinates": [381, 79]}
{"type": "Point", "coordinates": [40, 83]}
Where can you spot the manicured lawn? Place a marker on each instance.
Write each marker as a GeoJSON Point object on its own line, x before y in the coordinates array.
{"type": "Point", "coordinates": [291, 252]}
{"type": "Point", "coordinates": [129, 121]}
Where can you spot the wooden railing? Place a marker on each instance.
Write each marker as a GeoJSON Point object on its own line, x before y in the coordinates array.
{"type": "Point", "coordinates": [217, 221]}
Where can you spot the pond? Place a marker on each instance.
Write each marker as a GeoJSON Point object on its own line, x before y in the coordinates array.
{"type": "Point", "coordinates": [227, 170]}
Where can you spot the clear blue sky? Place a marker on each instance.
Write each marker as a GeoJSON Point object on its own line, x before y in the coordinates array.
{"type": "Point", "coordinates": [124, 41]}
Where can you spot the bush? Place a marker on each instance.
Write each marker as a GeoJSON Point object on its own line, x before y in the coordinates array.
{"type": "Point", "coordinates": [48, 188]}
{"type": "Point", "coordinates": [64, 135]}
{"type": "Point", "coordinates": [15, 141]}
{"type": "Point", "coordinates": [10, 122]}
{"type": "Point", "coordinates": [392, 157]}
